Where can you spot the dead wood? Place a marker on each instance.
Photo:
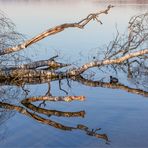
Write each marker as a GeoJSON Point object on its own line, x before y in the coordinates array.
{"type": "Point", "coordinates": [81, 24]}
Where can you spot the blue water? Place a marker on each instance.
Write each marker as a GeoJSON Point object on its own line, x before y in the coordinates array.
{"type": "Point", "coordinates": [122, 116]}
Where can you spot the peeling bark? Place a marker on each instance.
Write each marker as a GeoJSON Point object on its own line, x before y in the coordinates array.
{"type": "Point", "coordinates": [34, 116]}
{"type": "Point", "coordinates": [20, 73]}
{"type": "Point", "coordinates": [49, 64]}
{"type": "Point", "coordinates": [98, 63]}
{"type": "Point", "coordinates": [53, 112]}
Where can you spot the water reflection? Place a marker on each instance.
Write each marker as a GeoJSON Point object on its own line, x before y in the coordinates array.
{"type": "Point", "coordinates": [92, 83]}
{"type": "Point", "coordinates": [80, 79]}
{"type": "Point", "coordinates": [30, 110]}
{"type": "Point", "coordinates": [38, 118]}
{"type": "Point", "coordinates": [11, 90]}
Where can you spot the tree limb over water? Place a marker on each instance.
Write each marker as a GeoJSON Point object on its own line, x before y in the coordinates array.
{"type": "Point", "coordinates": [81, 24]}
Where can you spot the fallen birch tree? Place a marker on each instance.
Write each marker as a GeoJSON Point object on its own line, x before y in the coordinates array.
{"type": "Point", "coordinates": [123, 53]}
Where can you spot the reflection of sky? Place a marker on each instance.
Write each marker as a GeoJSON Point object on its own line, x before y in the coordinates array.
{"type": "Point", "coordinates": [32, 18]}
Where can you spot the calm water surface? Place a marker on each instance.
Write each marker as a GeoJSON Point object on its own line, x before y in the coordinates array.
{"type": "Point", "coordinates": [122, 116]}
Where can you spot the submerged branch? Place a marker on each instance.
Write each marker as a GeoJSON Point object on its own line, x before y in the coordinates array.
{"type": "Point", "coordinates": [98, 63]}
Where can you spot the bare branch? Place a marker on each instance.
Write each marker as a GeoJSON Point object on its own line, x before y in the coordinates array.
{"type": "Point", "coordinates": [81, 24]}
{"type": "Point", "coordinates": [98, 63]}
{"type": "Point", "coordinates": [49, 64]}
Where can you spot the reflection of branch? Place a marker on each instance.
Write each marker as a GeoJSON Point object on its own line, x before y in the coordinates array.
{"type": "Point", "coordinates": [27, 103]}
{"type": "Point", "coordinates": [86, 82]}
{"type": "Point", "coordinates": [91, 83]}
{"type": "Point", "coordinates": [48, 93]}
{"type": "Point", "coordinates": [53, 112]}
{"type": "Point", "coordinates": [55, 30]}
{"type": "Point", "coordinates": [40, 119]}
{"type": "Point", "coordinates": [92, 132]}
{"type": "Point", "coordinates": [51, 98]}
{"type": "Point", "coordinates": [28, 81]}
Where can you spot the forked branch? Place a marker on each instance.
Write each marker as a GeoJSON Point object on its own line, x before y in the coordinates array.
{"type": "Point", "coordinates": [81, 24]}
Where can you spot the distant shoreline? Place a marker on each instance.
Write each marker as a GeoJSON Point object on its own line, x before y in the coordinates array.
{"type": "Point", "coordinates": [101, 1]}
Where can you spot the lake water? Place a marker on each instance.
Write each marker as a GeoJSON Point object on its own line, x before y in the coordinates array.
{"type": "Point", "coordinates": [121, 115]}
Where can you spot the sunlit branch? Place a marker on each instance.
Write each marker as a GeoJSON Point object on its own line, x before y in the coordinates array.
{"type": "Point", "coordinates": [81, 24]}
{"type": "Point", "coordinates": [52, 98]}
{"type": "Point", "coordinates": [98, 63]}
